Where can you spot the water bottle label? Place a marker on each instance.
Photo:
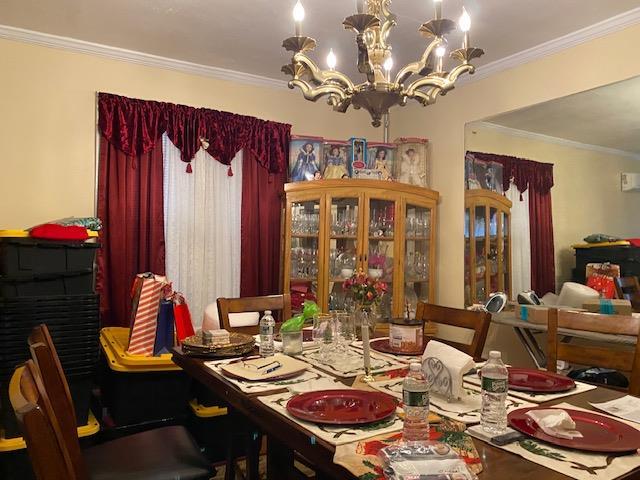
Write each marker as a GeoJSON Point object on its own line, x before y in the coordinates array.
{"type": "Point", "coordinates": [495, 385]}
{"type": "Point", "coordinates": [266, 330]}
{"type": "Point", "coordinates": [415, 399]}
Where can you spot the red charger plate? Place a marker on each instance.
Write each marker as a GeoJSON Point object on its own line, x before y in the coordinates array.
{"type": "Point", "coordinates": [342, 407]}
{"type": "Point", "coordinates": [383, 345]}
{"type": "Point", "coordinates": [600, 433]}
{"type": "Point", "coordinates": [528, 380]}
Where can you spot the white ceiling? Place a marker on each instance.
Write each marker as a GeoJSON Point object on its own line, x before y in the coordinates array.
{"type": "Point", "coordinates": [608, 116]}
{"type": "Point", "coordinates": [246, 35]}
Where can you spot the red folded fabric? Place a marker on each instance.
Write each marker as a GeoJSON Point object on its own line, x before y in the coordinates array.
{"type": "Point", "coordinates": [635, 242]}
{"type": "Point", "coordinates": [52, 231]}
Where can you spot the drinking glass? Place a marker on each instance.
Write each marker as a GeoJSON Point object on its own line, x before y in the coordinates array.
{"type": "Point", "coordinates": [323, 334]}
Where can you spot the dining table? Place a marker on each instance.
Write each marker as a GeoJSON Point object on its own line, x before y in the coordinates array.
{"type": "Point", "coordinates": [286, 436]}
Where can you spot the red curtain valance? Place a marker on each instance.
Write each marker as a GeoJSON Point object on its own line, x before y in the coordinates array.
{"type": "Point", "coordinates": [523, 172]}
{"type": "Point", "coordinates": [134, 126]}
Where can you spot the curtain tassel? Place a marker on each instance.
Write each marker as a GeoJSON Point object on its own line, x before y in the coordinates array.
{"type": "Point", "coordinates": [189, 169]}
{"type": "Point", "coordinates": [229, 172]}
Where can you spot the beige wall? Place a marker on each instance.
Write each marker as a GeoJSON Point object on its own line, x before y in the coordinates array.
{"type": "Point", "coordinates": [596, 63]}
{"type": "Point", "coordinates": [47, 122]}
{"type": "Point", "coordinates": [586, 197]}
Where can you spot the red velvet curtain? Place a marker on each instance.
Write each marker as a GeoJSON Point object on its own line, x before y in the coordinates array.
{"type": "Point", "coordinates": [130, 206]}
{"type": "Point", "coordinates": [130, 201]}
{"type": "Point", "coordinates": [536, 177]}
{"type": "Point", "coordinates": [260, 229]}
{"type": "Point", "coordinates": [543, 270]}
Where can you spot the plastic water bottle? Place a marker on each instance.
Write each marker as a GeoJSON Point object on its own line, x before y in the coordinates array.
{"type": "Point", "coordinates": [495, 385]}
{"type": "Point", "coordinates": [267, 324]}
{"type": "Point", "coordinates": [415, 397]}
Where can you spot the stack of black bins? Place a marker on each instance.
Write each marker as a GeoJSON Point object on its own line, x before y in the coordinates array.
{"type": "Point", "coordinates": [48, 282]}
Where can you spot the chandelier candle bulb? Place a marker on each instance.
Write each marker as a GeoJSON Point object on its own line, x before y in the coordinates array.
{"type": "Point", "coordinates": [360, 6]}
{"type": "Point", "coordinates": [440, 51]}
{"type": "Point", "coordinates": [438, 5]}
{"type": "Point", "coordinates": [388, 65]}
{"type": "Point", "coordinates": [332, 61]}
{"type": "Point", "coordinates": [465, 26]}
{"type": "Point", "coordinates": [298, 17]}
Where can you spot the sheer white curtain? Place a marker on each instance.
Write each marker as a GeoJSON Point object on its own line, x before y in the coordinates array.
{"type": "Point", "coordinates": [202, 227]}
{"type": "Point", "coordinates": [520, 240]}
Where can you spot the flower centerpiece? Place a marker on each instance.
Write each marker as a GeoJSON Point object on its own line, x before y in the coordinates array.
{"type": "Point", "coordinates": [367, 293]}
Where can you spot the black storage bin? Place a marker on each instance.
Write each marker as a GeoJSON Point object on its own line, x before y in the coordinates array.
{"type": "Point", "coordinates": [136, 397]}
{"type": "Point", "coordinates": [70, 283]}
{"type": "Point", "coordinates": [30, 256]}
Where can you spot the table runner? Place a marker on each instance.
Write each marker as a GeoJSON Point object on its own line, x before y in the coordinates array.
{"type": "Point", "coordinates": [539, 397]}
{"type": "Point", "coordinates": [333, 434]}
{"type": "Point", "coordinates": [361, 457]}
{"type": "Point", "coordinates": [262, 387]}
{"type": "Point", "coordinates": [579, 465]}
{"type": "Point", "coordinates": [352, 367]}
{"type": "Point", "coordinates": [466, 410]}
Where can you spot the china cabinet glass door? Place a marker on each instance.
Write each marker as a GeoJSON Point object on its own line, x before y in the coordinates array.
{"type": "Point", "coordinates": [304, 268]}
{"type": "Point", "coordinates": [417, 257]}
{"type": "Point", "coordinates": [380, 235]}
{"type": "Point", "coordinates": [344, 258]}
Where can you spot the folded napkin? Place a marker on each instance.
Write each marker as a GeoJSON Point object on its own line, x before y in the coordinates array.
{"type": "Point", "coordinates": [455, 362]}
{"type": "Point", "coordinates": [315, 385]}
{"type": "Point", "coordinates": [555, 422]}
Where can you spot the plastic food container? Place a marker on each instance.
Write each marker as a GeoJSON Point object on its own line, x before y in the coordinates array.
{"type": "Point", "coordinates": [406, 335]}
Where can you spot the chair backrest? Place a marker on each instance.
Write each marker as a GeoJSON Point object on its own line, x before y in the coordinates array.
{"type": "Point", "coordinates": [45, 356]}
{"type": "Point", "coordinates": [280, 305]}
{"type": "Point", "coordinates": [627, 288]}
{"type": "Point", "coordinates": [623, 359]}
{"type": "Point", "coordinates": [477, 321]}
{"type": "Point", "coordinates": [46, 443]}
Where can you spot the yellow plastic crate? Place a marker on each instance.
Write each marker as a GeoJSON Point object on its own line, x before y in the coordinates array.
{"type": "Point", "coordinates": [11, 444]}
{"type": "Point", "coordinates": [25, 233]}
{"type": "Point", "coordinates": [206, 412]}
{"type": "Point", "coordinates": [115, 340]}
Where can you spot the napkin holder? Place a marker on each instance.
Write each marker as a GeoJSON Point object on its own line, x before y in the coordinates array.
{"type": "Point", "coordinates": [438, 377]}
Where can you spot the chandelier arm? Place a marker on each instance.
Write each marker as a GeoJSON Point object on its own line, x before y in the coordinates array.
{"type": "Point", "coordinates": [314, 93]}
{"type": "Point", "coordinates": [323, 76]}
{"type": "Point", "coordinates": [430, 81]}
{"type": "Point", "coordinates": [427, 98]}
{"type": "Point", "coordinates": [415, 67]}
{"type": "Point", "coordinates": [388, 22]}
{"type": "Point", "coordinates": [459, 70]}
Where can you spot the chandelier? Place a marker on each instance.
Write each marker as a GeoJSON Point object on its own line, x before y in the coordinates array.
{"type": "Point", "coordinates": [422, 80]}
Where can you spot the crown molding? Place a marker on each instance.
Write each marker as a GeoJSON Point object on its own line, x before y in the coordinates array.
{"type": "Point", "coordinates": [514, 132]}
{"type": "Point", "coordinates": [138, 58]}
{"type": "Point", "coordinates": [597, 30]}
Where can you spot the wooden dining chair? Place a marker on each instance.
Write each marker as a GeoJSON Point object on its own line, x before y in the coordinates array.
{"type": "Point", "coordinates": [45, 445]}
{"type": "Point", "coordinates": [166, 453]}
{"type": "Point", "coordinates": [477, 321]}
{"type": "Point", "coordinates": [623, 359]}
{"type": "Point", "coordinates": [280, 305]}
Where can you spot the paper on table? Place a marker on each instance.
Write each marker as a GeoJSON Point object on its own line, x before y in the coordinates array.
{"type": "Point", "coordinates": [626, 407]}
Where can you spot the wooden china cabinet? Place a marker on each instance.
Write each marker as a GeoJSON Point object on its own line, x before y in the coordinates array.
{"type": "Point", "coordinates": [333, 228]}
{"type": "Point", "coordinates": [487, 245]}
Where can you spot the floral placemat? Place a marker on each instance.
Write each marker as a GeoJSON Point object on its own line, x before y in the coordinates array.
{"type": "Point", "coordinates": [576, 464]}
{"type": "Point", "coordinates": [333, 434]}
{"type": "Point", "coordinates": [465, 410]}
{"type": "Point", "coordinates": [260, 387]}
{"type": "Point", "coordinates": [361, 457]}
{"type": "Point", "coordinates": [541, 397]}
{"type": "Point", "coordinates": [350, 363]}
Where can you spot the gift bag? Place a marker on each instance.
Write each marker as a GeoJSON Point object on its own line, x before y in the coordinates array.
{"type": "Point", "coordinates": [184, 326]}
{"type": "Point", "coordinates": [164, 329]}
{"type": "Point", "coordinates": [147, 292]}
{"type": "Point", "coordinates": [600, 277]}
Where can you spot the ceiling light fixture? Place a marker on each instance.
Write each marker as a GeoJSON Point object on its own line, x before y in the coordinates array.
{"type": "Point", "coordinates": [422, 80]}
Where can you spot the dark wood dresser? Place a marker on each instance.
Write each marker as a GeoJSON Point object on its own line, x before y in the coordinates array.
{"type": "Point", "coordinates": [627, 257]}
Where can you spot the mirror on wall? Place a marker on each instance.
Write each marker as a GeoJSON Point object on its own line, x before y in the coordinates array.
{"type": "Point", "coordinates": [541, 180]}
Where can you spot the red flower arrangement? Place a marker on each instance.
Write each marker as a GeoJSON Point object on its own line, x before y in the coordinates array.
{"type": "Point", "coordinates": [366, 291]}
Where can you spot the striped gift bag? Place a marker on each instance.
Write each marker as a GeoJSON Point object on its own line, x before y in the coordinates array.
{"type": "Point", "coordinates": [146, 302]}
